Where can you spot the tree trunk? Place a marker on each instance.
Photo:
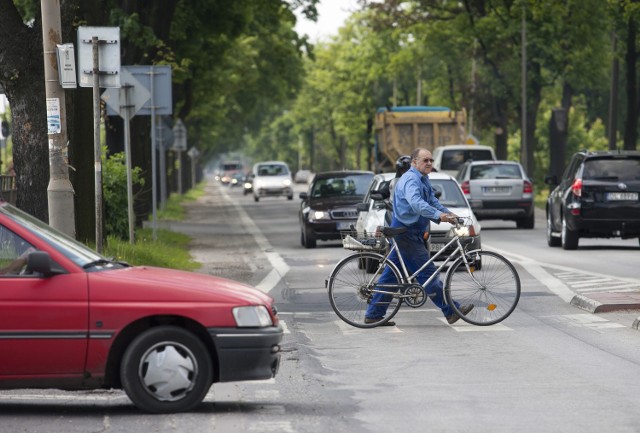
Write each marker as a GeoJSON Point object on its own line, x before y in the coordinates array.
{"type": "Point", "coordinates": [631, 124]}
{"type": "Point", "coordinates": [22, 71]}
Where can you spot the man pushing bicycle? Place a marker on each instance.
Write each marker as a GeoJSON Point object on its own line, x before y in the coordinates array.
{"type": "Point", "coordinates": [414, 206]}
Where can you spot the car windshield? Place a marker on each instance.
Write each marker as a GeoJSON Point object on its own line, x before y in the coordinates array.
{"type": "Point", "coordinates": [272, 170]}
{"type": "Point", "coordinates": [349, 186]}
{"type": "Point", "coordinates": [612, 169]}
{"type": "Point", "coordinates": [495, 171]}
{"type": "Point", "coordinates": [450, 194]}
{"type": "Point", "coordinates": [79, 253]}
{"type": "Point", "coordinates": [453, 159]}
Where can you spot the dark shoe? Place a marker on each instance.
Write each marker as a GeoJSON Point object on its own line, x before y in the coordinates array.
{"type": "Point", "coordinates": [454, 317]}
{"type": "Point", "coordinates": [369, 321]}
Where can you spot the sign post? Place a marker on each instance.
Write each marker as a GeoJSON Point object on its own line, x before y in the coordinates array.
{"type": "Point", "coordinates": [104, 45]}
{"type": "Point", "coordinates": [179, 146]}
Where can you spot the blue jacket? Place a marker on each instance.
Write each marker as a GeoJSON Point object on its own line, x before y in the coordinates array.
{"type": "Point", "coordinates": [414, 203]}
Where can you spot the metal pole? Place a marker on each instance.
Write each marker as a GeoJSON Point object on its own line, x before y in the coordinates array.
{"type": "Point", "coordinates": [180, 172]}
{"type": "Point", "coordinates": [523, 150]}
{"type": "Point", "coordinates": [59, 191]}
{"type": "Point", "coordinates": [127, 154]}
{"type": "Point", "coordinates": [154, 199]}
{"type": "Point", "coordinates": [97, 151]}
{"type": "Point", "coordinates": [163, 168]}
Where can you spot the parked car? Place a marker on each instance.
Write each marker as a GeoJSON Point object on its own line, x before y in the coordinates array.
{"type": "Point", "coordinates": [329, 205]}
{"type": "Point", "coordinates": [448, 193]}
{"type": "Point", "coordinates": [73, 319]}
{"type": "Point", "coordinates": [272, 179]}
{"type": "Point", "coordinates": [596, 197]}
{"type": "Point", "coordinates": [449, 159]}
{"type": "Point", "coordinates": [247, 184]}
{"type": "Point", "coordinates": [302, 176]}
{"type": "Point", "coordinates": [498, 190]}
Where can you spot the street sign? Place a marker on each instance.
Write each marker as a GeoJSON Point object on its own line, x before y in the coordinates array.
{"type": "Point", "coordinates": [108, 56]}
{"type": "Point", "coordinates": [160, 98]}
{"type": "Point", "coordinates": [164, 132]}
{"type": "Point", "coordinates": [179, 136]}
{"type": "Point", "coordinates": [193, 153]}
{"type": "Point", "coordinates": [116, 98]}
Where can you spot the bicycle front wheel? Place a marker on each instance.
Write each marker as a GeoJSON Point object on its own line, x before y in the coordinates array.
{"type": "Point", "coordinates": [352, 289]}
{"type": "Point", "coordinates": [491, 285]}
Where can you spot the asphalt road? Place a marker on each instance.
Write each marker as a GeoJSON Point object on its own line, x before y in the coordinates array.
{"type": "Point", "coordinates": [550, 367]}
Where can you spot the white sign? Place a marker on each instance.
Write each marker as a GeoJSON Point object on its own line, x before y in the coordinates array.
{"type": "Point", "coordinates": [66, 66]}
{"type": "Point", "coordinates": [138, 95]}
{"type": "Point", "coordinates": [108, 56]}
{"type": "Point", "coordinates": [53, 116]}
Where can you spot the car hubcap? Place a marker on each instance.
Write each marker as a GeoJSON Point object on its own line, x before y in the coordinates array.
{"type": "Point", "coordinates": [168, 371]}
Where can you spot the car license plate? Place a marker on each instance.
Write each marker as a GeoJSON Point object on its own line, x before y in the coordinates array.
{"type": "Point", "coordinates": [496, 189]}
{"type": "Point", "coordinates": [434, 248]}
{"type": "Point", "coordinates": [620, 196]}
{"type": "Point", "coordinates": [344, 225]}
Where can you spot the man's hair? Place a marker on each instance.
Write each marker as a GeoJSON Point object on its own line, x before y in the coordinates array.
{"type": "Point", "coordinates": [417, 151]}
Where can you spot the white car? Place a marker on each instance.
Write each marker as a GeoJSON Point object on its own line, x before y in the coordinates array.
{"type": "Point", "coordinates": [272, 179]}
{"type": "Point", "coordinates": [449, 159]}
{"type": "Point", "coordinates": [450, 195]}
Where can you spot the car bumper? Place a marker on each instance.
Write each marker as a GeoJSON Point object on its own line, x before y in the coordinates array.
{"type": "Point", "coordinates": [330, 230]}
{"type": "Point", "coordinates": [603, 228]}
{"type": "Point", "coordinates": [501, 209]}
{"type": "Point", "coordinates": [247, 354]}
{"type": "Point", "coordinates": [274, 192]}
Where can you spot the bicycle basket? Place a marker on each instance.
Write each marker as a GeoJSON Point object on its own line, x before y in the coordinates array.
{"type": "Point", "coordinates": [358, 241]}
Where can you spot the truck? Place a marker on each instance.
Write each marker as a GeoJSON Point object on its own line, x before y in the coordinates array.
{"type": "Point", "coordinates": [399, 130]}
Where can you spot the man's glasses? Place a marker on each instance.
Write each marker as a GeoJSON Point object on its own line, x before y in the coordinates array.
{"type": "Point", "coordinates": [430, 160]}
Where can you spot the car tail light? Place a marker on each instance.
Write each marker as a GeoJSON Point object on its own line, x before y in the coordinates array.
{"type": "Point", "coordinates": [465, 187]}
{"type": "Point", "coordinates": [527, 187]}
{"type": "Point", "coordinates": [576, 188]}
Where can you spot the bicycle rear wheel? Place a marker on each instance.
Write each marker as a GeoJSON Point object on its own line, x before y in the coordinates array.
{"type": "Point", "coordinates": [492, 286]}
{"type": "Point", "coordinates": [351, 289]}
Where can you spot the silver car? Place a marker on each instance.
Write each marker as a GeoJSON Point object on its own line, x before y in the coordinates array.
{"type": "Point", "coordinates": [449, 194]}
{"type": "Point", "coordinates": [272, 179]}
{"type": "Point", "coordinates": [498, 190]}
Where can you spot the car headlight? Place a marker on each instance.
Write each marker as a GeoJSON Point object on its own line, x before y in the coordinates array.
{"type": "Point", "coordinates": [319, 215]}
{"type": "Point", "coordinates": [254, 316]}
{"type": "Point", "coordinates": [286, 182]}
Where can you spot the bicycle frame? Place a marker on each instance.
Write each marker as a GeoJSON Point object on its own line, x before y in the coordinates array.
{"type": "Point", "coordinates": [459, 251]}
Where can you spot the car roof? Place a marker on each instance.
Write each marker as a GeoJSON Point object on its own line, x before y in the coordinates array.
{"type": "Point", "coordinates": [495, 162]}
{"type": "Point", "coordinates": [269, 163]}
{"type": "Point", "coordinates": [340, 173]}
{"type": "Point", "coordinates": [597, 153]}
{"type": "Point", "coordinates": [440, 175]}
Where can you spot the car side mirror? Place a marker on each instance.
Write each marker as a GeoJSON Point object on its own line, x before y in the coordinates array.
{"type": "Point", "coordinates": [377, 196]}
{"type": "Point", "coordinates": [438, 194]}
{"type": "Point", "coordinates": [39, 262]}
{"type": "Point", "coordinates": [304, 195]}
{"type": "Point", "coordinates": [362, 207]}
{"type": "Point", "coordinates": [551, 180]}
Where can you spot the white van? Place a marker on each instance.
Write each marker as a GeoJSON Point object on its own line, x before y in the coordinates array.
{"type": "Point", "coordinates": [449, 159]}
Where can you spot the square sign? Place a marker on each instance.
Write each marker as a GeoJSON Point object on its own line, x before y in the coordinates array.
{"type": "Point", "coordinates": [108, 56]}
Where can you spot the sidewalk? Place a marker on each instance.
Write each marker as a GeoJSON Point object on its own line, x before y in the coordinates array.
{"type": "Point", "coordinates": [226, 248]}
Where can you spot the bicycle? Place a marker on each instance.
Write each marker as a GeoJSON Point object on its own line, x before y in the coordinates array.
{"type": "Point", "coordinates": [479, 277]}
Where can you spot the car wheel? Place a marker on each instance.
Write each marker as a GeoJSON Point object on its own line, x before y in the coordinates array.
{"type": "Point", "coordinates": [256, 198]}
{"type": "Point", "coordinates": [166, 369]}
{"type": "Point", "coordinates": [526, 222]}
{"type": "Point", "coordinates": [302, 240]}
{"type": "Point", "coordinates": [552, 241]}
{"type": "Point", "coordinates": [309, 238]}
{"type": "Point", "coordinates": [290, 197]}
{"type": "Point", "coordinates": [569, 237]}
{"type": "Point", "coordinates": [370, 265]}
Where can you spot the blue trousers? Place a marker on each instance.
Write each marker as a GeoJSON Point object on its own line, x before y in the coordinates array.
{"type": "Point", "coordinates": [415, 254]}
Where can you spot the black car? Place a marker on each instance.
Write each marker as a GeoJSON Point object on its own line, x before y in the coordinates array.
{"type": "Point", "coordinates": [597, 197]}
{"type": "Point", "coordinates": [329, 206]}
{"type": "Point", "coordinates": [247, 184]}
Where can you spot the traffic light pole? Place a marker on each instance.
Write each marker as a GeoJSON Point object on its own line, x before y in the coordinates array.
{"type": "Point", "coordinates": [59, 191]}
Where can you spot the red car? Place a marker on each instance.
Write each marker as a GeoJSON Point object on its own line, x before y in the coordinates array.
{"type": "Point", "coordinates": [73, 319]}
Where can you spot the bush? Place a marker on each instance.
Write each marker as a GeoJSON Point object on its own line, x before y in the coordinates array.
{"type": "Point", "coordinates": [114, 190]}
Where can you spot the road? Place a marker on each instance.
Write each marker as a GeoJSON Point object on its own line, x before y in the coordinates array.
{"type": "Point", "coordinates": [550, 367]}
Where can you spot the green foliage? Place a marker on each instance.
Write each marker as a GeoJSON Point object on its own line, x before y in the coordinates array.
{"type": "Point", "coordinates": [169, 250]}
{"type": "Point", "coordinates": [114, 182]}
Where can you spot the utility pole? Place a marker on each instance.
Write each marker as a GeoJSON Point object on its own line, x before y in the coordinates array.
{"type": "Point", "coordinates": [60, 191]}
